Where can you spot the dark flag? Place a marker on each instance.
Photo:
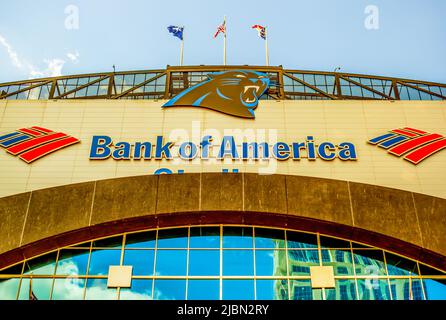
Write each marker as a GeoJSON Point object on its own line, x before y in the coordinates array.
{"type": "Point", "coordinates": [176, 31]}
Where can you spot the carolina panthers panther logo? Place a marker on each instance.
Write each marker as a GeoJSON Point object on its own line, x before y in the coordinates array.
{"type": "Point", "coordinates": [232, 92]}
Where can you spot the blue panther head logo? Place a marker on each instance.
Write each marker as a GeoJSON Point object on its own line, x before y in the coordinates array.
{"type": "Point", "coordinates": [232, 92]}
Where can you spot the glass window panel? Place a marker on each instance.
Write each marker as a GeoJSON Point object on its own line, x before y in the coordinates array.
{"type": "Point", "coordinates": [41, 288]}
{"type": "Point", "coordinates": [72, 82]}
{"type": "Point", "coordinates": [140, 77]}
{"type": "Point", "coordinates": [141, 260]}
{"type": "Point", "coordinates": [369, 262]}
{"type": "Point", "coordinates": [237, 237]}
{"type": "Point", "coordinates": [113, 242]}
{"type": "Point", "coordinates": [238, 289]}
{"type": "Point", "coordinates": [141, 240]}
{"type": "Point", "coordinates": [171, 262]}
{"type": "Point", "coordinates": [435, 289]}
{"type": "Point", "coordinates": [170, 290]}
{"type": "Point", "coordinates": [345, 290]}
{"type": "Point", "coordinates": [68, 289]}
{"type": "Point", "coordinates": [270, 262]}
{"type": "Point", "coordinates": [341, 260]}
{"type": "Point", "coordinates": [9, 288]}
{"type": "Point", "coordinates": [172, 238]}
{"type": "Point", "coordinates": [320, 79]}
{"type": "Point", "coordinates": [238, 263]}
{"type": "Point", "coordinates": [269, 238]}
{"type": "Point", "coordinates": [272, 289]}
{"type": "Point", "coordinates": [97, 290]}
{"type": "Point", "coordinates": [399, 266]}
{"type": "Point", "coordinates": [82, 245]}
{"type": "Point", "coordinates": [328, 242]}
{"type": "Point", "coordinates": [301, 290]}
{"type": "Point", "coordinates": [141, 289]}
{"type": "Point", "coordinates": [203, 290]}
{"type": "Point", "coordinates": [204, 262]}
{"type": "Point", "coordinates": [298, 240]}
{"type": "Point", "coordinates": [16, 269]}
{"type": "Point", "coordinates": [356, 91]}
{"type": "Point", "coordinates": [428, 271]}
{"type": "Point", "coordinates": [400, 289]}
{"type": "Point", "coordinates": [417, 290]}
{"type": "Point", "coordinates": [43, 265]}
{"type": "Point", "coordinates": [101, 260]}
{"type": "Point", "coordinates": [299, 261]}
{"type": "Point", "coordinates": [72, 262]}
{"type": "Point", "coordinates": [205, 237]}
{"type": "Point", "coordinates": [81, 93]}
{"type": "Point", "coordinates": [373, 289]}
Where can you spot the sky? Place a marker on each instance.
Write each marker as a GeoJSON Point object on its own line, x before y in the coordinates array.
{"type": "Point", "coordinates": [400, 38]}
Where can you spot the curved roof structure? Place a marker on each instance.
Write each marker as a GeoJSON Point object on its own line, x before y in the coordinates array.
{"type": "Point", "coordinates": [286, 84]}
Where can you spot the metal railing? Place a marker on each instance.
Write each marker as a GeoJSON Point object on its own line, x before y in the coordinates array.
{"type": "Point", "coordinates": [286, 84]}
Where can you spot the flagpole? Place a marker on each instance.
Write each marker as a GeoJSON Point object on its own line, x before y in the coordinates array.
{"type": "Point", "coordinates": [224, 42]}
{"type": "Point", "coordinates": [266, 48]}
{"type": "Point", "coordinates": [182, 49]}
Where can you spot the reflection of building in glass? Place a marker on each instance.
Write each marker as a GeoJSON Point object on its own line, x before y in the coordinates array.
{"type": "Point", "coordinates": [185, 263]}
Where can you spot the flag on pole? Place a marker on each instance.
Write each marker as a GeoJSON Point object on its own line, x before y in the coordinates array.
{"type": "Point", "coordinates": [261, 31]}
{"type": "Point", "coordinates": [221, 28]}
{"type": "Point", "coordinates": [176, 31]}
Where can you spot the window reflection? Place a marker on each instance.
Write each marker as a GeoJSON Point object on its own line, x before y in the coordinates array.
{"type": "Point", "coordinates": [270, 263]}
{"type": "Point", "coordinates": [203, 290]}
{"type": "Point", "coordinates": [169, 289]}
{"type": "Point", "coordinates": [435, 289]}
{"type": "Point", "coordinates": [276, 263]}
{"type": "Point", "coordinates": [272, 289]}
{"type": "Point", "coordinates": [141, 260]}
{"type": "Point", "coordinates": [301, 290]}
{"type": "Point", "coordinates": [141, 240]}
{"type": "Point", "coordinates": [140, 290]}
{"type": "Point", "coordinates": [238, 289]}
{"type": "Point", "coordinates": [9, 288]}
{"type": "Point", "coordinates": [68, 289]}
{"type": "Point", "coordinates": [373, 289]}
{"type": "Point", "coordinates": [204, 262]}
{"type": "Point", "coordinates": [97, 290]}
{"type": "Point", "coordinates": [205, 237]}
{"type": "Point", "coordinates": [101, 260]}
{"type": "Point", "coordinates": [41, 288]}
{"type": "Point", "coordinates": [171, 262]}
{"type": "Point", "coordinates": [238, 263]}
{"type": "Point", "coordinates": [237, 237]}
{"type": "Point", "coordinates": [172, 238]}
{"type": "Point", "coordinates": [72, 262]}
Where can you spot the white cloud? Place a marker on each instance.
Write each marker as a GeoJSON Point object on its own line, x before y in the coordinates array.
{"type": "Point", "coordinates": [53, 67]}
{"type": "Point", "coordinates": [73, 56]}
{"type": "Point", "coordinates": [11, 53]}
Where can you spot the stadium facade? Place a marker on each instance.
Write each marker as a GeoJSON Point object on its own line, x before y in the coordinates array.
{"type": "Point", "coordinates": [331, 186]}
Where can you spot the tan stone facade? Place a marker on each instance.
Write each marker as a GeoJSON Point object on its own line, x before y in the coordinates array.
{"type": "Point", "coordinates": [408, 223]}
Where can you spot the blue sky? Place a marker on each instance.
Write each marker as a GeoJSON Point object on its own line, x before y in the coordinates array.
{"type": "Point", "coordinates": [310, 35]}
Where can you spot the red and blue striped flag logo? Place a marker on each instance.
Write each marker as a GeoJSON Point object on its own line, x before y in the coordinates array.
{"type": "Point", "coordinates": [30, 144]}
{"type": "Point", "coordinates": [413, 144]}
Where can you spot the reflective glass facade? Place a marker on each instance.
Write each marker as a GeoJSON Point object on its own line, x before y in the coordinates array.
{"type": "Point", "coordinates": [222, 262]}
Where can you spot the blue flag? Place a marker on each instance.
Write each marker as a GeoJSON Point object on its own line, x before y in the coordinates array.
{"type": "Point", "coordinates": [176, 31]}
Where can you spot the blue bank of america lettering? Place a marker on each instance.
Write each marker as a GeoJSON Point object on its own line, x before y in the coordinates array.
{"type": "Point", "coordinates": [103, 147]}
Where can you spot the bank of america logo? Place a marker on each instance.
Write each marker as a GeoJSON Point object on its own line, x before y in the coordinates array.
{"type": "Point", "coordinates": [413, 144]}
{"type": "Point", "coordinates": [30, 144]}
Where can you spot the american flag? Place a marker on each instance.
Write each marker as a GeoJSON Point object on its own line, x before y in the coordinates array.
{"type": "Point", "coordinates": [221, 28]}
{"type": "Point", "coordinates": [261, 30]}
